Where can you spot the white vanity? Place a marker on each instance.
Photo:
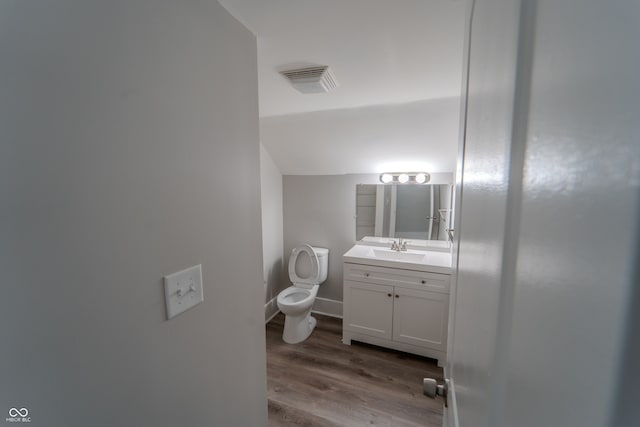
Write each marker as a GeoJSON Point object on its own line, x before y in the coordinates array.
{"type": "Point", "coordinates": [397, 299]}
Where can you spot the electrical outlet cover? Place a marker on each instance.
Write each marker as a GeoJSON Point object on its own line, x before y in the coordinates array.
{"type": "Point", "coordinates": [183, 290]}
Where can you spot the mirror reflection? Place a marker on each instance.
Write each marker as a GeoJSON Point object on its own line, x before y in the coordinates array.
{"type": "Point", "coordinates": [419, 212]}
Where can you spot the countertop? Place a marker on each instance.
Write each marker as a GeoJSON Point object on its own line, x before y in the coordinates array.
{"type": "Point", "coordinates": [412, 259]}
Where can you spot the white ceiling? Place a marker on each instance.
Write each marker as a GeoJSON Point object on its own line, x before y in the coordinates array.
{"type": "Point", "coordinates": [380, 51]}
{"type": "Point", "coordinates": [399, 67]}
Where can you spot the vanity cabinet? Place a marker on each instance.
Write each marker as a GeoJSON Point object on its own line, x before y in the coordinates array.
{"type": "Point", "coordinates": [402, 309]}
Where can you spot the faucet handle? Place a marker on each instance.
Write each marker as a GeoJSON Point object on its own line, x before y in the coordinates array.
{"type": "Point", "coordinates": [403, 247]}
{"type": "Point", "coordinates": [394, 245]}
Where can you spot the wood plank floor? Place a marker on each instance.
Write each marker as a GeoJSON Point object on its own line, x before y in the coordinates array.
{"type": "Point", "coordinates": [324, 383]}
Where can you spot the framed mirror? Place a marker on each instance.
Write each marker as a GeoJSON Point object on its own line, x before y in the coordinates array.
{"type": "Point", "coordinates": [413, 212]}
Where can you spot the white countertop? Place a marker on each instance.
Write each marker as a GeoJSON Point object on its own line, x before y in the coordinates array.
{"type": "Point", "coordinates": [412, 259]}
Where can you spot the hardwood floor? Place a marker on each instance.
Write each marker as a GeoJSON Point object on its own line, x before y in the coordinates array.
{"type": "Point", "coordinates": [324, 383]}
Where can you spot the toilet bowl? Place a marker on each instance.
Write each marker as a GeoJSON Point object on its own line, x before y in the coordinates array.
{"type": "Point", "coordinates": [307, 270]}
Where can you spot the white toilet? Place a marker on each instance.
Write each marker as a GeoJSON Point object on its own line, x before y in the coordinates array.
{"type": "Point", "coordinates": [308, 267]}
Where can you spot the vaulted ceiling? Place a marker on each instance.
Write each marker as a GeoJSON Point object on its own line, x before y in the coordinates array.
{"type": "Point", "coordinates": [383, 53]}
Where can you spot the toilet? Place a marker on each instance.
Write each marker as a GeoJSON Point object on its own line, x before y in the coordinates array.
{"type": "Point", "coordinates": [308, 267]}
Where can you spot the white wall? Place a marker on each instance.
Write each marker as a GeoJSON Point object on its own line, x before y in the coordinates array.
{"type": "Point", "coordinates": [120, 123]}
{"type": "Point", "coordinates": [320, 210]}
{"type": "Point", "coordinates": [272, 231]}
{"type": "Point", "coordinates": [362, 140]}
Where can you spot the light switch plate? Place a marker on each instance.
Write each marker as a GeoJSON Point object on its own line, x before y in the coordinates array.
{"type": "Point", "coordinates": [183, 290]}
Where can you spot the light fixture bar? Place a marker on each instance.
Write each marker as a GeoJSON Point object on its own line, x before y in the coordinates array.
{"type": "Point", "coordinates": [404, 177]}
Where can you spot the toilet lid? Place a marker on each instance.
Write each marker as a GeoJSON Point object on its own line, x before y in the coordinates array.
{"type": "Point", "coordinates": [314, 276]}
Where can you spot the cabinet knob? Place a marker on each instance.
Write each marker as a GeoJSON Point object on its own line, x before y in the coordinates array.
{"type": "Point", "coordinates": [366, 274]}
{"type": "Point", "coordinates": [388, 295]}
{"type": "Point", "coordinates": [423, 281]}
{"type": "Point", "coordinates": [397, 296]}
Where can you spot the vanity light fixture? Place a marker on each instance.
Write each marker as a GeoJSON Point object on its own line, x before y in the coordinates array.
{"type": "Point", "coordinates": [404, 177]}
{"type": "Point", "coordinates": [421, 178]}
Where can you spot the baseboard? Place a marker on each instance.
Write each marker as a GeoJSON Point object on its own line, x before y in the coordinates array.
{"type": "Point", "coordinates": [324, 306]}
{"type": "Point", "coordinates": [450, 418]}
{"type": "Point", "coordinates": [271, 309]}
{"type": "Point", "coordinates": [327, 307]}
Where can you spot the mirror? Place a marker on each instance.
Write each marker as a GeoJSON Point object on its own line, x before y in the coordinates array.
{"type": "Point", "coordinates": [414, 212]}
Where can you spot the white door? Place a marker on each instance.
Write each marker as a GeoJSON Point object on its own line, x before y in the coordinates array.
{"type": "Point", "coordinates": [547, 217]}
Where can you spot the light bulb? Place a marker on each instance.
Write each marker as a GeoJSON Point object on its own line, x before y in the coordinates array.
{"type": "Point", "coordinates": [403, 178]}
{"type": "Point", "coordinates": [421, 178]}
{"type": "Point", "coordinates": [386, 178]}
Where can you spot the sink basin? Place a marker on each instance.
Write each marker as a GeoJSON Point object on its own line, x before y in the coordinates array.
{"type": "Point", "coordinates": [396, 256]}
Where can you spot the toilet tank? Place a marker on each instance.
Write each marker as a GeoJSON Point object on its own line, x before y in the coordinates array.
{"type": "Point", "coordinates": [323, 261]}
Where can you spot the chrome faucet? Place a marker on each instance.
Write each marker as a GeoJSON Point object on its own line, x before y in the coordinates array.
{"type": "Point", "coordinates": [400, 245]}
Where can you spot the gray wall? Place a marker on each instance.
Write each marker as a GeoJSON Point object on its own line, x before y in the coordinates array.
{"type": "Point", "coordinates": [365, 210]}
{"type": "Point", "coordinates": [272, 230]}
{"type": "Point", "coordinates": [120, 123]}
{"type": "Point", "coordinates": [320, 210]}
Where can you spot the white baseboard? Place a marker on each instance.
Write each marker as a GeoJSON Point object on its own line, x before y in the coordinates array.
{"type": "Point", "coordinates": [450, 418]}
{"type": "Point", "coordinates": [327, 307]}
{"type": "Point", "coordinates": [324, 306]}
{"type": "Point", "coordinates": [271, 309]}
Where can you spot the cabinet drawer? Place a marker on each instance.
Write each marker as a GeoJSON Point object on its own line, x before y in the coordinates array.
{"type": "Point", "coordinates": [396, 277]}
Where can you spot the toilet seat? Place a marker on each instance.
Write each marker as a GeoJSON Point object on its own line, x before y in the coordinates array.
{"type": "Point", "coordinates": [314, 277]}
{"type": "Point", "coordinates": [294, 297]}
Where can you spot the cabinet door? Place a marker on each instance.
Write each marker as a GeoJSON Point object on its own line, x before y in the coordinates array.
{"type": "Point", "coordinates": [368, 309]}
{"type": "Point", "coordinates": [420, 318]}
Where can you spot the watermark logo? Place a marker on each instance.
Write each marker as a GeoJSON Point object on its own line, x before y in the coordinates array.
{"type": "Point", "coordinates": [15, 412]}
{"type": "Point", "coordinates": [18, 416]}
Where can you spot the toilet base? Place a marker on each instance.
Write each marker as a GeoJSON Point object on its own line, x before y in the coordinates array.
{"type": "Point", "coordinates": [298, 328]}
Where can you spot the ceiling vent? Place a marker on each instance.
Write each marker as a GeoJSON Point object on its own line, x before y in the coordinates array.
{"type": "Point", "coordinates": [311, 80]}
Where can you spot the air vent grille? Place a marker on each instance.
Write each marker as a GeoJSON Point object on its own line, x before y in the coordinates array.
{"type": "Point", "coordinates": [312, 79]}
